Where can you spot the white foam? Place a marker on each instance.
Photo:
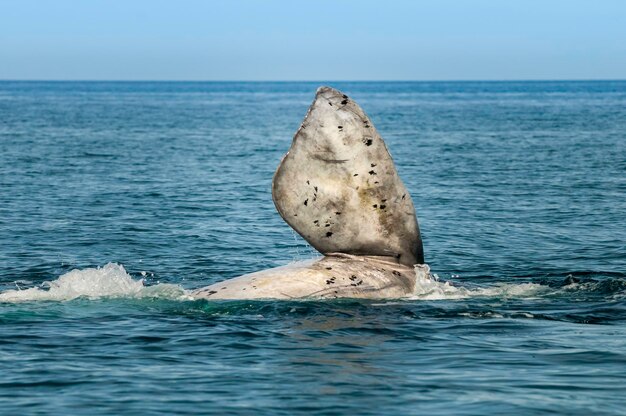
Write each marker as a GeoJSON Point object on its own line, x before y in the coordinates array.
{"type": "Point", "coordinates": [110, 281]}
{"type": "Point", "coordinates": [429, 287]}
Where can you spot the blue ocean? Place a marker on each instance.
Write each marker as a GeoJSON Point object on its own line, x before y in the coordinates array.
{"type": "Point", "coordinates": [118, 198]}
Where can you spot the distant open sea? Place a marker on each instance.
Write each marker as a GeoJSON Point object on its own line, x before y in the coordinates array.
{"type": "Point", "coordinates": [118, 197]}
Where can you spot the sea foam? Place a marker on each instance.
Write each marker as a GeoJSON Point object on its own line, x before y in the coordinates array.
{"type": "Point", "coordinates": [428, 286]}
{"type": "Point", "coordinates": [109, 281]}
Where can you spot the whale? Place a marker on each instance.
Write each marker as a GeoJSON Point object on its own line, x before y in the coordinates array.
{"type": "Point", "coordinates": [338, 188]}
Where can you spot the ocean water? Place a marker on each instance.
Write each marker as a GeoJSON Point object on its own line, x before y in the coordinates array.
{"type": "Point", "coordinates": [117, 198]}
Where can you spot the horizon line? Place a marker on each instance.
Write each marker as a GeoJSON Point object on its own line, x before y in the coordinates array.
{"type": "Point", "coordinates": [324, 80]}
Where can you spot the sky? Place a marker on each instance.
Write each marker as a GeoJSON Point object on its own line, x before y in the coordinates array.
{"type": "Point", "coordinates": [291, 40]}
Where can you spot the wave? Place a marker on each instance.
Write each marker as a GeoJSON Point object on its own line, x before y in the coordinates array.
{"type": "Point", "coordinates": [109, 281]}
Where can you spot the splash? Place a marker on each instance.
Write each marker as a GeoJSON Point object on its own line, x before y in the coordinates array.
{"type": "Point", "coordinates": [110, 281]}
{"type": "Point", "coordinates": [429, 287]}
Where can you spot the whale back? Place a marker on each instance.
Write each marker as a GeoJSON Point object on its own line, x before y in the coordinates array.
{"type": "Point", "coordinates": [327, 278]}
{"type": "Point", "coordinates": [338, 187]}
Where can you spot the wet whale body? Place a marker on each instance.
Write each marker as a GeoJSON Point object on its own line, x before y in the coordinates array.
{"type": "Point", "coordinates": [338, 187]}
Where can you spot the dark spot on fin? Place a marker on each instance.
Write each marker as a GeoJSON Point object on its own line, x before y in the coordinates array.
{"type": "Point", "coordinates": [371, 172]}
{"type": "Point", "coordinates": [344, 102]}
{"type": "Point", "coordinates": [368, 142]}
{"type": "Point", "coordinates": [329, 234]}
{"type": "Point", "coordinates": [306, 202]}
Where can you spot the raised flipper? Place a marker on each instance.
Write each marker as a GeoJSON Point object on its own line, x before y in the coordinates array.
{"type": "Point", "coordinates": [339, 189]}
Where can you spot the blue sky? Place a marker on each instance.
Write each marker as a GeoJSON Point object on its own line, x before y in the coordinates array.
{"type": "Point", "coordinates": [312, 40]}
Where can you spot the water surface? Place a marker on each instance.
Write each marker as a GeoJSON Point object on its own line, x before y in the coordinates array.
{"type": "Point", "coordinates": [147, 190]}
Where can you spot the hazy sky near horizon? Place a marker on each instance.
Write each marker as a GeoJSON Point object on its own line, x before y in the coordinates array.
{"type": "Point", "coordinates": [312, 40]}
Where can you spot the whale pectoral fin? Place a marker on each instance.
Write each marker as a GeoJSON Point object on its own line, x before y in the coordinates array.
{"type": "Point", "coordinates": [339, 189]}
